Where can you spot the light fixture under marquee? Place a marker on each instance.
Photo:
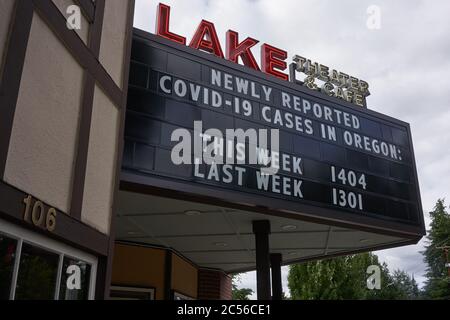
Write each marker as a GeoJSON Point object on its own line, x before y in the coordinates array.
{"type": "Point", "coordinates": [289, 227]}
{"type": "Point", "coordinates": [192, 213]}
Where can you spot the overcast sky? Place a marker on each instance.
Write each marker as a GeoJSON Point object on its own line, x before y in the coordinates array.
{"type": "Point", "coordinates": [405, 61]}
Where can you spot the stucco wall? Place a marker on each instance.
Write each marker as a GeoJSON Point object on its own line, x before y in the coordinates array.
{"type": "Point", "coordinates": [44, 139]}
{"type": "Point", "coordinates": [101, 165]}
{"type": "Point", "coordinates": [6, 10]}
{"type": "Point", "coordinates": [113, 37]}
{"type": "Point", "coordinates": [42, 146]}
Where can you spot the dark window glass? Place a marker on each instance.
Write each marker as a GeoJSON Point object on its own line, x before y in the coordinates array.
{"type": "Point", "coordinates": [75, 279]}
{"type": "Point", "coordinates": [7, 257]}
{"type": "Point", "coordinates": [38, 270]}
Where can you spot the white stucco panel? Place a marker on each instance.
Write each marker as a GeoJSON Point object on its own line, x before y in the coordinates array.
{"type": "Point", "coordinates": [42, 147]}
{"type": "Point", "coordinates": [101, 165]}
{"type": "Point", "coordinates": [113, 42]}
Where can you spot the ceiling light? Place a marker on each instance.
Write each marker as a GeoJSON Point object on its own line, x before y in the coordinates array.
{"type": "Point", "coordinates": [293, 253]}
{"type": "Point", "coordinates": [364, 240]}
{"type": "Point", "coordinates": [221, 244]}
{"type": "Point", "coordinates": [192, 213]}
{"type": "Point", "coordinates": [289, 227]}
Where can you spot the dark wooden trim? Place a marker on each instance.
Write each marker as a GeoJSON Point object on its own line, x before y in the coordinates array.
{"type": "Point", "coordinates": [95, 34]}
{"type": "Point", "coordinates": [50, 13]}
{"type": "Point", "coordinates": [81, 158]}
{"type": "Point", "coordinates": [261, 229]}
{"type": "Point", "coordinates": [68, 230]}
{"type": "Point", "coordinates": [12, 74]}
{"type": "Point", "coordinates": [168, 276]}
{"type": "Point", "coordinates": [84, 129]}
{"type": "Point", "coordinates": [88, 8]}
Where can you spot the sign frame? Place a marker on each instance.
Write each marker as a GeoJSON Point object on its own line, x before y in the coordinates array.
{"type": "Point", "coordinates": [169, 187]}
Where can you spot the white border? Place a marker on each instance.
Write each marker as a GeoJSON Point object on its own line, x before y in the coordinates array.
{"type": "Point", "coordinates": [152, 291]}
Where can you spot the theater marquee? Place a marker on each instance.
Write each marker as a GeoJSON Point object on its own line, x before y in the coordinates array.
{"type": "Point", "coordinates": [334, 164]}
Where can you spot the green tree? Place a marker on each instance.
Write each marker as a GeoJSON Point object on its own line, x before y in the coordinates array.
{"type": "Point", "coordinates": [403, 286]}
{"type": "Point", "coordinates": [346, 278]}
{"type": "Point", "coordinates": [242, 293]}
{"type": "Point", "coordinates": [437, 285]}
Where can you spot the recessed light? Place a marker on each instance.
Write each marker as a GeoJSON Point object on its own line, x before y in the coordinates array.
{"type": "Point", "coordinates": [221, 244]}
{"type": "Point", "coordinates": [289, 227]}
{"type": "Point", "coordinates": [192, 213]}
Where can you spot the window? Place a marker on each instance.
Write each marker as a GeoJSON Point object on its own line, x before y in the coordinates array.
{"type": "Point", "coordinates": [37, 276]}
{"type": "Point", "coordinates": [75, 279]}
{"type": "Point", "coordinates": [8, 248]}
{"type": "Point", "coordinates": [34, 267]}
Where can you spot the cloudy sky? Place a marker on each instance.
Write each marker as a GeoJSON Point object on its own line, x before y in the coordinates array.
{"type": "Point", "coordinates": [405, 61]}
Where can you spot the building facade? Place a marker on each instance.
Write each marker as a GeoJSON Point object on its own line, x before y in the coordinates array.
{"type": "Point", "coordinates": [63, 93]}
{"type": "Point", "coordinates": [92, 205]}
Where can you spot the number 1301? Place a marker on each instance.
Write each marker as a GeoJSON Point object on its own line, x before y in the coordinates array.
{"type": "Point", "coordinates": [347, 199]}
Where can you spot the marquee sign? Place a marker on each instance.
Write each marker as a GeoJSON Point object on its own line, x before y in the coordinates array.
{"type": "Point", "coordinates": [334, 161]}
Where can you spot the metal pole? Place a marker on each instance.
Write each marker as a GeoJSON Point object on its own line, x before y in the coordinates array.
{"type": "Point", "coordinates": [275, 264]}
{"type": "Point", "coordinates": [261, 229]}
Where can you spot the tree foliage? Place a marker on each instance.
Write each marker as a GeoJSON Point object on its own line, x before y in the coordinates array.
{"type": "Point", "coordinates": [346, 278]}
{"type": "Point", "coordinates": [437, 285]}
{"type": "Point", "coordinates": [239, 293]}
